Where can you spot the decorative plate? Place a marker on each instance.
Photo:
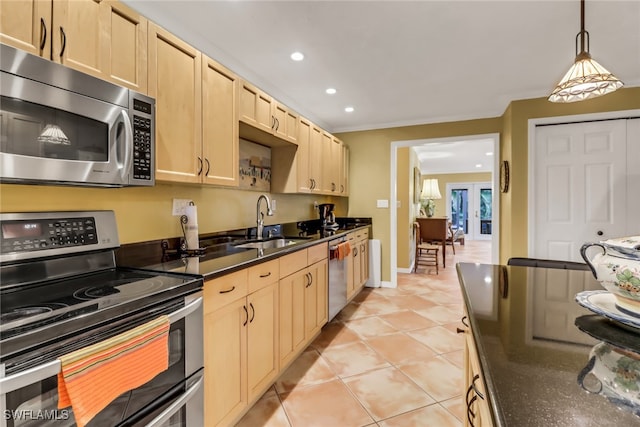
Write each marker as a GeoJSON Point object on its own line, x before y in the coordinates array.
{"type": "Point", "coordinates": [604, 304]}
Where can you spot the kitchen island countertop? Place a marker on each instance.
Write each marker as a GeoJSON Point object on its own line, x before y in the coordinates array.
{"type": "Point", "coordinates": [531, 372]}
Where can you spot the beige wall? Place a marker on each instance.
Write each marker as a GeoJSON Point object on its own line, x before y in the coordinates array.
{"type": "Point", "coordinates": [144, 213]}
{"type": "Point", "coordinates": [370, 158]}
{"type": "Point", "coordinates": [407, 210]}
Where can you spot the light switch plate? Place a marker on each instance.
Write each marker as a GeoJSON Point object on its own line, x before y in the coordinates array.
{"type": "Point", "coordinates": [382, 203]}
{"type": "Point", "coordinates": [180, 206]}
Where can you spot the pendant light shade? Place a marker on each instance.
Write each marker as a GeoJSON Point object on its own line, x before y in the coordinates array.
{"type": "Point", "coordinates": [586, 78]}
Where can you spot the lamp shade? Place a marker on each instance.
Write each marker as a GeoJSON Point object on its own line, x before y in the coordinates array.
{"type": "Point", "coordinates": [430, 189]}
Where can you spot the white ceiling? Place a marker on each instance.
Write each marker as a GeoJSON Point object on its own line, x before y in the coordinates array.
{"type": "Point", "coordinates": [456, 156]}
{"type": "Point", "coordinates": [404, 62]}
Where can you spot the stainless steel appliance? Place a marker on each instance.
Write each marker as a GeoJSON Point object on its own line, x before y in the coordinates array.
{"type": "Point", "coordinates": [61, 291]}
{"type": "Point", "coordinates": [61, 126]}
{"type": "Point", "coordinates": [337, 278]}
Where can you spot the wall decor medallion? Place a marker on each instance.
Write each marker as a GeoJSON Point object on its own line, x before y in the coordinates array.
{"type": "Point", "coordinates": [504, 176]}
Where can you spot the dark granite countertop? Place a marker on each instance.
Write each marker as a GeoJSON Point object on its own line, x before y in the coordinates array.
{"type": "Point", "coordinates": [214, 264]}
{"type": "Point", "coordinates": [529, 362]}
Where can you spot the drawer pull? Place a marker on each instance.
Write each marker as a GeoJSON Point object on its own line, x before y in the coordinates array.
{"type": "Point", "coordinates": [460, 331]}
{"type": "Point", "coordinates": [475, 389]}
{"type": "Point", "coordinates": [253, 312]}
{"type": "Point", "coordinates": [262, 276]}
{"type": "Point", "coordinates": [246, 312]}
{"type": "Point", "coordinates": [464, 322]}
{"type": "Point", "coordinates": [228, 290]}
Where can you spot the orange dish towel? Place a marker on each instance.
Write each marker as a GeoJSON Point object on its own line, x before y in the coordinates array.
{"type": "Point", "coordinates": [92, 377]}
{"type": "Point", "coordinates": [344, 249]}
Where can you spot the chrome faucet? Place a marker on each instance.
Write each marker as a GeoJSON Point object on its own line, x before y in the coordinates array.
{"type": "Point", "coordinates": [260, 215]}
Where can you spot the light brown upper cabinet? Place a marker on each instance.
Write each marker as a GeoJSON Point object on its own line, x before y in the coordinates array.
{"type": "Point", "coordinates": [105, 38]}
{"type": "Point", "coordinates": [175, 81]}
{"type": "Point", "coordinates": [220, 147]}
{"type": "Point", "coordinates": [344, 171]}
{"type": "Point", "coordinates": [259, 110]}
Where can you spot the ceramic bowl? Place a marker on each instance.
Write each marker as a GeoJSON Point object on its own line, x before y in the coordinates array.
{"type": "Point", "coordinates": [615, 374]}
{"type": "Point", "coordinates": [617, 273]}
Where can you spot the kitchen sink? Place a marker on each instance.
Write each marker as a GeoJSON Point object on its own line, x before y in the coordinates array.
{"type": "Point", "coordinates": [273, 243]}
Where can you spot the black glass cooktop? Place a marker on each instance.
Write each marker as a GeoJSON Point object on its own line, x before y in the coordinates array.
{"type": "Point", "coordinates": [33, 307]}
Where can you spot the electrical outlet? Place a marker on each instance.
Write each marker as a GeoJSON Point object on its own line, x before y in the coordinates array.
{"type": "Point", "coordinates": [180, 206]}
{"type": "Point", "coordinates": [273, 205]}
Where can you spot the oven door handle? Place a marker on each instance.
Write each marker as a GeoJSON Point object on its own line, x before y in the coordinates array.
{"type": "Point", "coordinates": [177, 404]}
{"type": "Point", "coordinates": [49, 369]}
{"type": "Point", "coordinates": [186, 310]}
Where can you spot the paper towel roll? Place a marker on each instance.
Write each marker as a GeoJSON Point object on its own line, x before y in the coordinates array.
{"type": "Point", "coordinates": [191, 228]}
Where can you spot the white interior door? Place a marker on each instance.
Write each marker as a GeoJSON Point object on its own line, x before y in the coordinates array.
{"type": "Point", "coordinates": [580, 173]}
{"type": "Point", "coordinates": [469, 207]}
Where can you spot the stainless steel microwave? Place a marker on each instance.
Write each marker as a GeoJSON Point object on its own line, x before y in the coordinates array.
{"type": "Point", "coordinates": [61, 126]}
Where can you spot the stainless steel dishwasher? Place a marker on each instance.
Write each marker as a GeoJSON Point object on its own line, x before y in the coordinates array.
{"type": "Point", "coordinates": [337, 278]}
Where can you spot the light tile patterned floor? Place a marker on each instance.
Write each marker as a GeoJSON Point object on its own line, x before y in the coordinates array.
{"type": "Point", "coordinates": [390, 358]}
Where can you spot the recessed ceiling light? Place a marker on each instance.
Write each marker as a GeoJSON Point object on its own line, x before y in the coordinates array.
{"type": "Point", "coordinates": [349, 109]}
{"type": "Point", "coordinates": [331, 91]}
{"type": "Point", "coordinates": [297, 56]}
{"type": "Point", "coordinates": [489, 153]}
{"type": "Point", "coordinates": [478, 165]}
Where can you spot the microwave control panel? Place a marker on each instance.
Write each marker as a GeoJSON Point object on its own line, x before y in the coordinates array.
{"type": "Point", "coordinates": [142, 140]}
{"type": "Point", "coordinates": [40, 234]}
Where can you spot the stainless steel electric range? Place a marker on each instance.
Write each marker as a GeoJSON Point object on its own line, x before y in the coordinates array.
{"type": "Point", "coordinates": [61, 290]}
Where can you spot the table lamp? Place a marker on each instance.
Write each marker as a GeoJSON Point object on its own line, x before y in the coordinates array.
{"type": "Point", "coordinates": [430, 192]}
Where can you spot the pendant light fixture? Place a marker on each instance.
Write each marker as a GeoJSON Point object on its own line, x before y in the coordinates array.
{"type": "Point", "coordinates": [586, 78]}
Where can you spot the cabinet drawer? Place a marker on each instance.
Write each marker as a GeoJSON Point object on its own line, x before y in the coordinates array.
{"type": "Point", "coordinates": [263, 274]}
{"type": "Point", "coordinates": [316, 253]}
{"type": "Point", "coordinates": [351, 237]}
{"type": "Point", "coordinates": [291, 263]}
{"type": "Point", "coordinates": [224, 290]}
{"type": "Point", "coordinates": [362, 234]}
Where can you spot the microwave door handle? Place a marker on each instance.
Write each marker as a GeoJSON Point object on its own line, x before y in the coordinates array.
{"type": "Point", "coordinates": [30, 376]}
{"type": "Point", "coordinates": [127, 146]}
{"type": "Point", "coordinates": [177, 404]}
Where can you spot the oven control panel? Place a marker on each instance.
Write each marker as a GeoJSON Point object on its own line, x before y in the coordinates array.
{"type": "Point", "coordinates": [28, 235]}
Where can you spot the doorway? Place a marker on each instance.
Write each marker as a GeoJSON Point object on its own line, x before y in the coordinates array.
{"type": "Point", "coordinates": [470, 208]}
{"type": "Point", "coordinates": [393, 214]}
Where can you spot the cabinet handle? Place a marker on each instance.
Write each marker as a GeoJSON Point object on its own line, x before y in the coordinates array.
{"type": "Point", "coordinates": [470, 413]}
{"type": "Point", "coordinates": [208, 167]}
{"type": "Point", "coordinates": [43, 33]}
{"type": "Point", "coordinates": [64, 41]}
{"type": "Point", "coordinates": [341, 188]}
{"type": "Point", "coordinates": [253, 312]}
{"type": "Point", "coordinates": [313, 184]}
{"type": "Point", "coordinates": [475, 389]}
{"type": "Point", "coordinates": [355, 252]}
{"type": "Point", "coordinates": [463, 321]}
{"type": "Point", "coordinates": [228, 290]}
{"type": "Point", "coordinates": [333, 186]}
{"type": "Point", "coordinates": [246, 312]}
{"type": "Point", "coordinates": [273, 122]}
{"type": "Point", "coordinates": [310, 279]}
{"type": "Point", "coordinates": [200, 165]}
{"type": "Point", "coordinates": [265, 275]}
{"type": "Point", "coordinates": [460, 331]}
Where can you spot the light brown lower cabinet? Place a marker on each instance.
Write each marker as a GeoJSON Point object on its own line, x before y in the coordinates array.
{"type": "Point", "coordinates": [240, 345]}
{"type": "Point", "coordinates": [477, 409]}
{"type": "Point", "coordinates": [358, 263]}
{"type": "Point", "coordinates": [256, 322]}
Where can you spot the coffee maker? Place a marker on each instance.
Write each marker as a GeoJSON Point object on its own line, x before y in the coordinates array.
{"type": "Point", "coordinates": [327, 216]}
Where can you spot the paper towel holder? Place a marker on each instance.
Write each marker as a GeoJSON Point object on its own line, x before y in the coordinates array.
{"type": "Point", "coordinates": [184, 251]}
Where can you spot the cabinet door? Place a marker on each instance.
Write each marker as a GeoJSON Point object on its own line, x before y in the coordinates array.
{"type": "Point", "coordinates": [325, 159]}
{"type": "Point", "coordinates": [26, 25]}
{"type": "Point", "coordinates": [78, 35]}
{"type": "Point", "coordinates": [351, 268]}
{"type": "Point", "coordinates": [262, 339]}
{"type": "Point", "coordinates": [364, 261]}
{"type": "Point", "coordinates": [315, 159]}
{"type": "Point", "coordinates": [335, 160]}
{"type": "Point", "coordinates": [302, 156]}
{"type": "Point", "coordinates": [280, 113]}
{"type": "Point", "coordinates": [357, 269]}
{"type": "Point", "coordinates": [292, 120]}
{"type": "Point", "coordinates": [292, 315]}
{"type": "Point", "coordinates": [126, 44]}
{"type": "Point", "coordinates": [220, 149]}
{"type": "Point", "coordinates": [255, 107]}
{"type": "Point", "coordinates": [344, 171]}
{"type": "Point", "coordinates": [317, 310]}
{"type": "Point", "coordinates": [175, 67]}
{"type": "Point", "coordinates": [225, 359]}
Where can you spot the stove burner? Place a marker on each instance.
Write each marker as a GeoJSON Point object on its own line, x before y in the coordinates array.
{"type": "Point", "coordinates": [28, 311]}
{"type": "Point", "coordinates": [95, 292]}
